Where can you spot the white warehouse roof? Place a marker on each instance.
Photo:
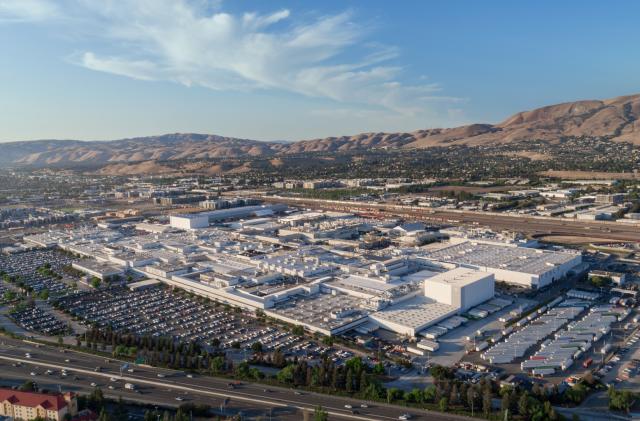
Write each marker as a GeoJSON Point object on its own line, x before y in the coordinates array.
{"type": "Point", "coordinates": [458, 277]}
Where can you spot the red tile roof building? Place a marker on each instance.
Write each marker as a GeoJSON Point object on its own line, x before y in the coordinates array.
{"type": "Point", "coordinates": [30, 405]}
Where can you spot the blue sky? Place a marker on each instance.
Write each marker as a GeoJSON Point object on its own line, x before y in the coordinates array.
{"type": "Point", "coordinates": [100, 69]}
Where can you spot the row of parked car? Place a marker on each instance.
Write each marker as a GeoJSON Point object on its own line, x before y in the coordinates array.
{"type": "Point", "coordinates": [25, 265]}
{"type": "Point", "coordinates": [35, 319]}
{"type": "Point", "coordinates": [159, 311]}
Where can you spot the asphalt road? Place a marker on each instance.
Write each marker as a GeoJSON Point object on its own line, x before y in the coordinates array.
{"type": "Point", "coordinates": [252, 399]}
{"type": "Point", "coordinates": [529, 225]}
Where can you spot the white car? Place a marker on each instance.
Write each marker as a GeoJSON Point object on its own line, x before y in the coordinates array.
{"type": "Point", "coordinates": [94, 385]}
{"type": "Point", "coordinates": [113, 379]}
{"type": "Point", "coordinates": [179, 398]}
{"type": "Point", "coordinates": [405, 417]}
{"type": "Point", "coordinates": [32, 373]}
{"type": "Point", "coordinates": [348, 406]}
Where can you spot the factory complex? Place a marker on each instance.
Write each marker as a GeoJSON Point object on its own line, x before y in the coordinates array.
{"type": "Point", "coordinates": [329, 272]}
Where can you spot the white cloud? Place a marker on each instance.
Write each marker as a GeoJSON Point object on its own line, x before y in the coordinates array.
{"type": "Point", "coordinates": [140, 69]}
{"type": "Point", "coordinates": [27, 10]}
{"type": "Point", "coordinates": [196, 43]}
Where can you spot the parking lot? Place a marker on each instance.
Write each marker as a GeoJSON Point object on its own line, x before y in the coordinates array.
{"type": "Point", "coordinates": [25, 268]}
{"type": "Point", "coordinates": [160, 312]}
{"type": "Point", "coordinates": [36, 320]}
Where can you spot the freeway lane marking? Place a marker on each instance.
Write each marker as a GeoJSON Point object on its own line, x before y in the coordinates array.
{"type": "Point", "coordinates": [236, 395]}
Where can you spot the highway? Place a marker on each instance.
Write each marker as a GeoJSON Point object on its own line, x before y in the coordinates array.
{"type": "Point", "coordinates": [532, 225]}
{"type": "Point", "coordinates": [164, 387]}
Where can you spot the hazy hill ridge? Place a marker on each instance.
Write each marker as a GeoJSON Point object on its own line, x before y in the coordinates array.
{"type": "Point", "coordinates": [616, 119]}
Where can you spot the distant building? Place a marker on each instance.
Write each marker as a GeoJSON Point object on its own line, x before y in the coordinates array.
{"type": "Point", "coordinates": [180, 200]}
{"type": "Point", "coordinates": [616, 277]}
{"type": "Point", "coordinates": [30, 405]}
{"type": "Point", "coordinates": [559, 194]}
{"type": "Point", "coordinates": [321, 184]}
{"type": "Point", "coordinates": [610, 199]}
{"type": "Point", "coordinates": [189, 221]}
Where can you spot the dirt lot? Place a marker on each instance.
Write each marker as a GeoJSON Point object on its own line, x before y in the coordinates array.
{"type": "Point", "coordinates": [567, 239]}
{"type": "Point", "coordinates": [588, 175]}
{"type": "Point", "coordinates": [474, 189]}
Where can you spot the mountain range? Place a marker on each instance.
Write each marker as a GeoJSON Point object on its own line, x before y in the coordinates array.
{"type": "Point", "coordinates": [616, 120]}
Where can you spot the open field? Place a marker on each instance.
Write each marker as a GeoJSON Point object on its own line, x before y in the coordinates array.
{"type": "Point", "coordinates": [589, 175]}
{"type": "Point", "coordinates": [573, 240]}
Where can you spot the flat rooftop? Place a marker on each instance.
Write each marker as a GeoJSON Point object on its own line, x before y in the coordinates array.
{"type": "Point", "coordinates": [458, 277]}
{"type": "Point", "coordinates": [316, 310]}
{"type": "Point", "coordinates": [416, 313]}
{"type": "Point", "coordinates": [517, 259]}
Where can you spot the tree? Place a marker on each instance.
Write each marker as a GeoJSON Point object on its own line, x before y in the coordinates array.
{"type": "Point", "coordinates": [120, 412]}
{"type": "Point", "coordinates": [394, 394]}
{"type": "Point", "coordinates": [364, 380]}
{"type": "Point", "coordinates": [217, 364]}
{"type": "Point", "coordinates": [599, 281]}
{"type": "Point", "coordinates": [486, 402]}
{"type": "Point", "coordinates": [372, 392]}
{"type": "Point", "coordinates": [44, 294]}
{"type": "Point", "coordinates": [577, 393]}
{"type": "Point", "coordinates": [443, 404]}
{"type": "Point", "coordinates": [150, 416]}
{"type": "Point", "coordinates": [320, 414]}
{"type": "Point", "coordinates": [620, 400]}
{"type": "Point", "coordinates": [95, 402]}
{"type": "Point", "coordinates": [454, 396]}
{"type": "Point", "coordinates": [286, 374]}
{"type": "Point", "coordinates": [429, 394]}
{"type": "Point", "coordinates": [349, 380]}
{"type": "Point", "coordinates": [523, 404]}
{"type": "Point", "coordinates": [28, 386]}
{"type": "Point", "coordinates": [103, 415]}
{"type": "Point", "coordinates": [256, 347]}
{"type": "Point", "coordinates": [415, 395]}
{"type": "Point", "coordinates": [439, 372]}
{"type": "Point", "coordinates": [378, 369]}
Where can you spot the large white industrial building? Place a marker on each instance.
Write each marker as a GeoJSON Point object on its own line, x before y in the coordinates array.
{"type": "Point", "coordinates": [531, 268]}
{"type": "Point", "coordinates": [189, 221]}
{"type": "Point", "coordinates": [445, 294]}
{"type": "Point", "coordinates": [461, 288]}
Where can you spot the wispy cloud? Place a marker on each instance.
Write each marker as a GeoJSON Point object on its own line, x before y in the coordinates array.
{"type": "Point", "coordinates": [196, 43]}
{"type": "Point", "coordinates": [27, 10]}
